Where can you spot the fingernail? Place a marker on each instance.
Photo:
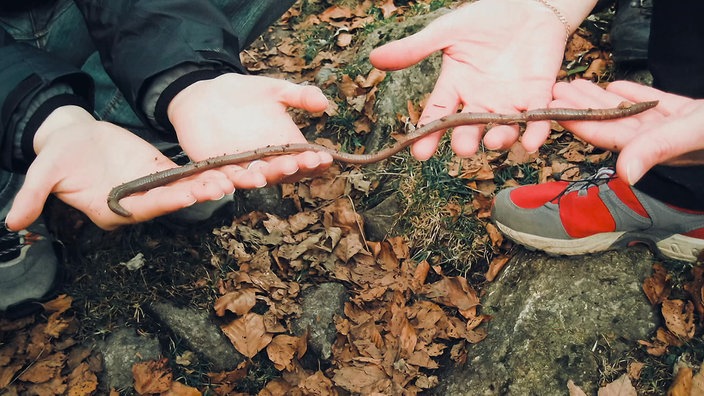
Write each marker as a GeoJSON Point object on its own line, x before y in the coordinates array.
{"type": "Point", "coordinates": [195, 201]}
{"type": "Point", "coordinates": [262, 183]}
{"type": "Point", "coordinates": [290, 172]}
{"type": "Point", "coordinates": [634, 171]}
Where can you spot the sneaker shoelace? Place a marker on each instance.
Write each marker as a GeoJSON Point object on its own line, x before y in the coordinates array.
{"type": "Point", "coordinates": [10, 244]}
{"type": "Point", "coordinates": [603, 175]}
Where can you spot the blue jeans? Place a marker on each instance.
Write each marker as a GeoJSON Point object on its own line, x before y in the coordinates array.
{"type": "Point", "coordinates": [58, 27]}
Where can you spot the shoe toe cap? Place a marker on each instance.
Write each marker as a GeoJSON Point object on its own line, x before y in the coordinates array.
{"type": "Point", "coordinates": [541, 221]}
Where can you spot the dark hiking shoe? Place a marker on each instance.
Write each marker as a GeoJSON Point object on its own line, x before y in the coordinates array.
{"type": "Point", "coordinates": [29, 270]}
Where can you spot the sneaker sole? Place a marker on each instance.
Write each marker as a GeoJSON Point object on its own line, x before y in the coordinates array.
{"type": "Point", "coordinates": [676, 247]}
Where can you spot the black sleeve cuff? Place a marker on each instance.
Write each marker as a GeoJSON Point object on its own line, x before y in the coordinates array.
{"type": "Point", "coordinates": [36, 120]}
{"type": "Point", "coordinates": [160, 112]}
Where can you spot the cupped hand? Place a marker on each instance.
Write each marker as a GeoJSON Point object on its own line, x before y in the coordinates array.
{"type": "Point", "coordinates": [80, 160]}
{"type": "Point", "coordinates": [234, 113]}
{"type": "Point", "coordinates": [670, 134]}
{"type": "Point", "coordinates": [498, 56]}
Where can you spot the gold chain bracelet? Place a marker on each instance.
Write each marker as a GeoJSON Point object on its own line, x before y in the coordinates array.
{"type": "Point", "coordinates": [558, 14]}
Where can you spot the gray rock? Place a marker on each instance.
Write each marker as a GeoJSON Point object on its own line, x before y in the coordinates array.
{"type": "Point", "coordinates": [379, 221]}
{"type": "Point", "coordinates": [121, 350]}
{"type": "Point", "coordinates": [319, 306]}
{"type": "Point", "coordinates": [548, 314]}
{"type": "Point", "coordinates": [201, 333]}
{"type": "Point", "coordinates": [267, 199]}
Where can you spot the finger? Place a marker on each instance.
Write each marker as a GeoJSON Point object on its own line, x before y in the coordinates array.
{"type": "Point", "coordinates": [466, 138]}
{"type": "Point", "coordinates": [536, 132]}
{"type": "Point", "coordinates": [207, 186]}
{"type": "Point", "coordinates": [603, 134]}
{"type": "Point", "coordinates": [279, 167]}
{"type": "Point", "coordinates": [310, 164]}
{"type": "Point", "coordinates": [306, 97]}
{"type": "Point", "coordinates": [256, 165]}
{"type": "Point", "coordinates": [535, 135]}
{"type": "Point", "coordinates": [668, 103]}
{"type": "Point", "coordinates": [149, 205]}
{"type": "Point", "coordinates": [306, 163]}
{"type": "Point", "coordinates": [501, 136]}
{"type": "Point", "coordinates": [26, 208]}
{"type": "Point", "coordinates": [410, 50]}
{"type": "Point", "coordinates": [310, 160]}
{"type": "Point", "coordinates": [244, 178]}
{"type": "Point", "coordinates": [657, 146]}
{"type": "Point", "coordinates": [30, 199]}
{"type": "Point", "coordinates": [442, 101]}
{"type": "Point", "coordinates": [583, 93]}
{"type": "Point", "coordinates": [610, 135]}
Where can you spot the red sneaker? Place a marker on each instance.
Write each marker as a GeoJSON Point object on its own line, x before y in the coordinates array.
{"type": "Point", "coordinates": [595, 214]}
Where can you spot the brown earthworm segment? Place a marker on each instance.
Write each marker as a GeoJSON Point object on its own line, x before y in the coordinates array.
{"type": "Point", "coordinates": [167, 176]}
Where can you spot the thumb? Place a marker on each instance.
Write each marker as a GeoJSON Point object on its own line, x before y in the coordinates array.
{"type": "Point", "coordinates": [659, 146]}
{"type": "Point", "coordinates": [408, 51]}
{"type": "Point", "coordinates": [30, 199]}
{"type": "Point", "coordinates": [306, 97]}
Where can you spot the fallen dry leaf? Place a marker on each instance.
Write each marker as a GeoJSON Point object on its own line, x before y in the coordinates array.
{"type": "Point", "coordinates": [238, 301]}
{"type": "Point", "coordinates": [248, 334]}
{"type": "Point", "coordinates": [496, 265]}
{"type": "Point", "coordinates": [318, 384]}
{"type": "Point", "coordinates": [696, 292]}
{"type": "Point", "coordinates": [82, 381]}
{"type": "Point", "coordinates": [698, 382]}
{"type": "Point", "coordinates": [179, 389]}
{"type": "Point", "coordinates": [60, 304]}
{"type": "Point", "coordinates": [344, 39]}
{"type": "Point", "coordinates": [283, 348]}
{"type": "Point", "coordinates": [44, 369]}
{"type": "Point", "coordinates": [452, 292]}
{"type": "Point", "coordinates": [621, 387]}
{"type": "Point", "coordinates": [574, 390]}
{"type": "Point", "coordinates": [657, 287]}
{"type": "Point", "coordinates": [596, 69]}
{"type": "Point", "coordinates": [153, 376]}
{"type": "Point", "coordinates": [634, 369]}
{"type": "Point", "coordinates": [679, 318]}
{"type": "Point", "coordinates": [362, 380]}
{"type": "Point", "coordinates": [682, 384]}
{"type": "Point", "coordinates": [388, 8]}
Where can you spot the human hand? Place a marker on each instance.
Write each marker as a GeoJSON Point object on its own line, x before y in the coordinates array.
{"type": "Point", "coordinates": [80, 160]}
{"type": "Point", "coordinates": [671, 134]}
{"type": "Point", "coordinates": [234, 113]}
{"type": "Point", "coordinates": [498, 56]}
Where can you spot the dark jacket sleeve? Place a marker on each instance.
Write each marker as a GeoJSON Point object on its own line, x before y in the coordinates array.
{"type": "Point", "coordinates": [139, 40]}
{"type": "Point", "coordinates": [32, 85]}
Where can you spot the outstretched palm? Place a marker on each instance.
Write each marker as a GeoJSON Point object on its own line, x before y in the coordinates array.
{"type": "Point", "coordinates": [497, 57]}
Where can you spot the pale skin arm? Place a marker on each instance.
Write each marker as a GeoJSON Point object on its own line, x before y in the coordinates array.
{"type": "Point", "coordinates": [79, 159]}
{"type": "Point", "coordinates": [498, 56]}
{"type": "Point", "coordinates": [671, 134]}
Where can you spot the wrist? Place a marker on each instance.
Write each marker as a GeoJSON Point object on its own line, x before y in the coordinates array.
{"type": "Point", "coordinates": [567, 13]}
{"type": "Point", "coordinates": [162, 109]}
{"type": "Point", "coordinates": [58, 119]}
{"type": "Point", "coordinates": [570, 13]}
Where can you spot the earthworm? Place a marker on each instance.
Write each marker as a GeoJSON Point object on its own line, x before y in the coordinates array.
{"type": "Point", "coordinates": [558, 114]}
